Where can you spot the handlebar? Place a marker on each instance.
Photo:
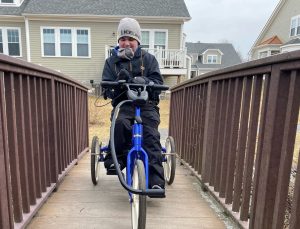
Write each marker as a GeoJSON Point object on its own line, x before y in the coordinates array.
{"type": "Point", "coordinates": [114, 84]}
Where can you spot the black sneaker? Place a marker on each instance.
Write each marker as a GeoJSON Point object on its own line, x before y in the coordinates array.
{"type": "Point", "coordinates": [111, 169]}
{"type": "Point", "coordinates": [156, 196]}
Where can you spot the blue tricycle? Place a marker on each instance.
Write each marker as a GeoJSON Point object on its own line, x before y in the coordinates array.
{"type": "Point", "coordinates": [137, 172]}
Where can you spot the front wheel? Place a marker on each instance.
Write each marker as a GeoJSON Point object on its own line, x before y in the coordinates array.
{"type": "Point", "coordinates": [138, 204]}
{"type": "Point", "coordinates": [95, 154]}
{"type": "Point", "coordinates": [170, 161]}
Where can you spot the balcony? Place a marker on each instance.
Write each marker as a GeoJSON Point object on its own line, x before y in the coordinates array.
{"type": "Point", "coordinates": [171, 61]}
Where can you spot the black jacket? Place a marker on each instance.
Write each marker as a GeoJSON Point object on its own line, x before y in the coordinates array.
{"type": "Point", "coordinates": [142, 64]}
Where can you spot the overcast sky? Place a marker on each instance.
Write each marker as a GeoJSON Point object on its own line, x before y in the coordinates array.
{"type": "Point", "coordinates": [237, 21]}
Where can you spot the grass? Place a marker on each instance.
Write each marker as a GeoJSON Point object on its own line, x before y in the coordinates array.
{"type": "Point", "coordinates": [99, 117]}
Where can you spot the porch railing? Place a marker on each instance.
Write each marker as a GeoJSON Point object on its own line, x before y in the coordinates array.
{"type": "Point", "coordinates": [43, 132]}
{"type": "Point", "coordinates": [236, 130]}
{"type": "Point", "coordinates": [167, 58]}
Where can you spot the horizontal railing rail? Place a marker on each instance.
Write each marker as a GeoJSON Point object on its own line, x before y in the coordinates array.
{"type": "Point", "coordinates": [236, 129]}
{"type": "Point", "coordinates": [43, 132]}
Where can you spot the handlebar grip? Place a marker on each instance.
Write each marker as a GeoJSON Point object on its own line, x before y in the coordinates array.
{"type": "Point", "coordinates": [160, 87]}
{"type": "Point", "coordinates": [109, 83]}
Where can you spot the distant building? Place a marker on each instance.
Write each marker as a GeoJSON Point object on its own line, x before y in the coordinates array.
{"type": "Point", "coordinates": [206, 57]}
{"type": "Point", "coordinates": [281, 32]}
{"type": "Point", "coordinates": [75, 37]}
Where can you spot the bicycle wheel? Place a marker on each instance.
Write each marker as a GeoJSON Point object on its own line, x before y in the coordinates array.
{"type": "Point", "coordinates": [170, 162]}
{"type": "Point", "coordinates": [138, 204]}
{"type": "Point", "coordinates": [95, 153]}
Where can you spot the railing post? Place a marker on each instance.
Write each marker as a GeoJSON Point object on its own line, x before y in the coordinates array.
{"type": "Point", "coordinates": [183, 58]}
{"type": "Point", "coordinates": [6, 211]}
{"type": "Point", "coordinates": [182, 121]}
{"type": "Point", "coordinates": [13, 146]}
{"type": "Point", "coordinates": [208, 131]}
{"type": "Point", "coordinates": [75, 123]}
{"type": "Point", "coordinates": [51, 92]}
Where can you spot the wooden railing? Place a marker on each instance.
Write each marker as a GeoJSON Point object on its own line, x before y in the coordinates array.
{"type": "Point", "coordinates": [167, 58]}
{"type": "Point", "coordinates": [236, 130]}
{"type": "Point", "coordinates": [43, 132]}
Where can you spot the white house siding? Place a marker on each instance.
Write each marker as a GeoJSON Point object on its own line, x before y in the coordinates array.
{"type": "Point", "coordinates": [86, 69]}
{"type": "Point", "coordinates": [281, 24]}
{"type": "Point", "coordinates": [170, 80]}
{"type": "Point", "coordinates": [82, 69]}
{"type": "Point", "coordinates": [20, 25]}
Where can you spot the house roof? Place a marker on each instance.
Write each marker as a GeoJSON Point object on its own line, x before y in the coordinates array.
{"type": "Point", "coordinates": [273, 40]}
{"type": "Point", "coordinates": [229, 58]}
{"type": "Point", "coordinates": [268, 24]}
{"type": "Point", "coordinates": [293, 42]}
{"type": "Point", "coordinates": [156, 8]}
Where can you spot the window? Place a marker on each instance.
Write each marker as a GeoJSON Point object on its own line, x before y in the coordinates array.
{"type": "Point", "coordinates": [13, 42]}
{"type": "Point", "coordinates": [263, 54]}
{"type": "Point", "coordinates": [274, 52]}
{"type": "Point", "coordinates": [11, 2]}
{"type": "Point", "coordinates": [82, 43]}
{"type": "Point", "coordinates": [66, 42]}
{"type": "Point", "coordinates": [295, 26]}
{"type": "Point", "coordinates": [211, 59]}
{"type": "Point", "coordinates": [153, 39]}
{"type": "Point", "coordinates": [10, 41]}
{"type": "Point", "coordinates": [7, 1]}
{"type": "Point", "coordinates": [49, 42]}
{"type": "Point", "coordinates": [145, 39]}
{"type": "Point", "coordinates": [160, 40]}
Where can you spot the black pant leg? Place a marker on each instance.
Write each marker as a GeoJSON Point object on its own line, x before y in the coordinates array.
{"type": "Point", "coordinates": [123, 136]}
{"type": "Point", "coordinates": [151, 144]}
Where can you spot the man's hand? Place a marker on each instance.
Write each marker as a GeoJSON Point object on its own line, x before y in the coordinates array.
{"type": "Point", "coordinates": [123, 75]}
{"type": "Point", "coordinates": [138, 80]}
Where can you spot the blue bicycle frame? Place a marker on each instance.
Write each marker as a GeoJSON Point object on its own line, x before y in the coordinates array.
{"type": "Point", "coordinates": [137, 152]}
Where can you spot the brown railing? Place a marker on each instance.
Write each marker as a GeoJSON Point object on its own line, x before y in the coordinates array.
{"type": "Point", "coordinates": [236, 130]}
{"type": "Point", "coordinates": [43, 132]}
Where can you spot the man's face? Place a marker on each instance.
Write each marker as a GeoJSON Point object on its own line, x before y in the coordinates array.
{"type": "Point", "coordinates": [128, 42]}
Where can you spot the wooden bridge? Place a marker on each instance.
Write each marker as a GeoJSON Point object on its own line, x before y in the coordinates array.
{"type": "Point", "coordinates": [235, 129]}
{"type": "Point", "coordinates": [80, 204]}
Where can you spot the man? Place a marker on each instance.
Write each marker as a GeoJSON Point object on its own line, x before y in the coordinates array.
{"type": "Point", "coordinates": [129, 62]}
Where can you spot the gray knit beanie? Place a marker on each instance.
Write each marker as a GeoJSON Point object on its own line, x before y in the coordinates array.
{"type": "Point", "coordinates": [129, 27]}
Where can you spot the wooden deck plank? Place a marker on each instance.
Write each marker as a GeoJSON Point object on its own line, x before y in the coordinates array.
{"type": "Point", "coordinates": [80, 204]}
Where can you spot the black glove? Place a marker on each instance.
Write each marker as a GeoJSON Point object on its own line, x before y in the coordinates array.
{"type": "Point", "coordinates": [139, 80]}
{"type": "Point", "coordinates": [123, 75]}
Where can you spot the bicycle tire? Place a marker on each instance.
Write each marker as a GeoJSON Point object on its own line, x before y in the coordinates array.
{"type": "Point", "coordinates": [170, 162]}
{"type": "Point", "coordinates": [95, 152]}
{"type": "Point", "coordinates": [138, 204]}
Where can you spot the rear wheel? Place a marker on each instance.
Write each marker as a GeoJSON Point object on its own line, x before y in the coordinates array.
{"type": "Point", "coordinates": [95, 154]}
{"type": "Point", "coordinates": [170, 161]}
{"type": "Point", "coordinates": [138, 204]}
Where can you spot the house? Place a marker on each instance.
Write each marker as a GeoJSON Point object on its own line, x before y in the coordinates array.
{"type": "Point", "coordinates": [206, 57]}
{"type": "Point", "coordinates": [74, 36]}
{"type": "Point", "coordinates": [281, 32]}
